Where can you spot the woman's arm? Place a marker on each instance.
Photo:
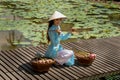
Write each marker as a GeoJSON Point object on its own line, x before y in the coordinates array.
{"type": "Point", "coordinates": [64, 36]}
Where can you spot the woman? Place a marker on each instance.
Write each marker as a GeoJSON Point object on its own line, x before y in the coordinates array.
{"type": "Point", "coordinates": [54, 36]}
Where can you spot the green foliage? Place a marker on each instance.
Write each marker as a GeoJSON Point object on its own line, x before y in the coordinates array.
{"type": "Point", "coordinates": [113, 77]}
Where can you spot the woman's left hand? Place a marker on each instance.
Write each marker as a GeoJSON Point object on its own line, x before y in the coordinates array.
{"type": "Point", "coordinates": [71, 30]}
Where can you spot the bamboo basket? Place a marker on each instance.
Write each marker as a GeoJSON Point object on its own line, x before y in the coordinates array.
{"type": "Point", "coordinates": [85, 58]}
{"type": "Point", "coordinates": [41, 65]}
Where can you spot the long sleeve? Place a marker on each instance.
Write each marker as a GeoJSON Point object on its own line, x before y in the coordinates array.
{"type": "Point", "coordinates": [64, 36]}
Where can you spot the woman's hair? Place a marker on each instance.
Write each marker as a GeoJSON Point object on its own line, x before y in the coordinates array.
{"type": "Point", "coordinates": [50, 23]}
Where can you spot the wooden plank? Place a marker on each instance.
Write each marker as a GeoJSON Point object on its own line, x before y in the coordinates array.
{"type": "Point", "coordinates": [25, 66]}
{"type": "Point", "coordinates": [7, 74]}
{"type": "Point", "coordinates": [105, 66]}
{"type": "Point", "coordinates": [115, 60]}
{"type": "Point", "coordinates": [3, 76]}
{"type": "Point", "coordinates": [9, 61]}
{"type": "Point", "coordinates": [99, 53]}
{"type": "Point", "coordinates": [73, 71]}
{"type": "Point", "coordinates": [109, 63]}
{"type": "Point", "coordinates": [18, 60]}
{"type": "Point", "coordinates": [9, 67]}
{"type": "Point", "coordinates": [78, 47]}
{"type": "Point", "coordinates": [51, 72]}
{"type": "Point", "coordinates": [68, 72]}
{"type": "Point", "coordinates": [104, 53]}
{"type": "Point", "coordinates": [64, 74]}
{"type": "Point", "coordinates": [6, 66]}
{"type": "Point", "coordinates": [37, 49]}
{"type": "Point", "coordinates": [1, 67]}
{"type": "Point", "coordinates": [114, 41]}
{"type": "Point", "coordinates": [14, 64]}
{"type": "Point", "coordinates": [59, 76]}
{"type": "Point", "coordinates": [25, 52]}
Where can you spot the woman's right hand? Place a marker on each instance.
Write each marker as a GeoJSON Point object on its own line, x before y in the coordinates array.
{"type": "Point", "coordinates": [58, 31]}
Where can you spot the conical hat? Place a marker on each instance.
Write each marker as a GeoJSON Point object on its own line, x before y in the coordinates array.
{"type": "Point", "coordinates": [56, 15]}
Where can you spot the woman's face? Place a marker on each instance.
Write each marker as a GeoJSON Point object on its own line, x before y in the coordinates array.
{"type": "Point", "coordinates": [57, 21]}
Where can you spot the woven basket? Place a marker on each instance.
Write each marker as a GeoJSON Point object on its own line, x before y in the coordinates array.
{"type": "Point", "coordinates": [85, 58]}
{"type": "Point", "coordinates": [41, 65]}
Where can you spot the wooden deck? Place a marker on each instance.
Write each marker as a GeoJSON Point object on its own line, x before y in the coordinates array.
{"type": "Point", "coordinates": [14, 64]}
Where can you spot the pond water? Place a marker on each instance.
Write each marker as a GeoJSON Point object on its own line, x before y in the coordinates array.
{"type": "Point", "coordinates": [22, 24]}
{"type": "Point", "coordinates": [11, 39]}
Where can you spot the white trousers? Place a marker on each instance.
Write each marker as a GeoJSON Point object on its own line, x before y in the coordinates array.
{"type": "Point", "coordinates": [63, 56]}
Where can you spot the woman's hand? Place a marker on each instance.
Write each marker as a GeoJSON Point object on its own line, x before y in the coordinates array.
{"type": "Point", "coordinates": [58, 31]}
{"type": "Point", "coordinates": [71, 30]}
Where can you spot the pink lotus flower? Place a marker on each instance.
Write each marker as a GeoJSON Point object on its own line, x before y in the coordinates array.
{"type": "Point", "coordinates": [92, 56]}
